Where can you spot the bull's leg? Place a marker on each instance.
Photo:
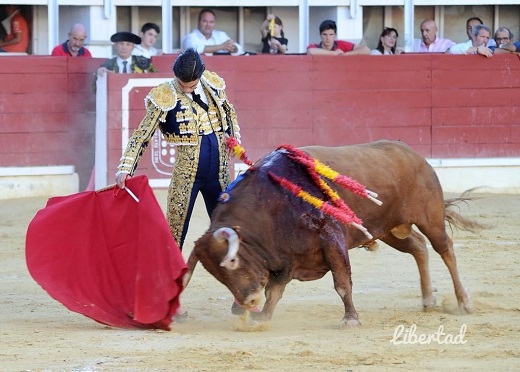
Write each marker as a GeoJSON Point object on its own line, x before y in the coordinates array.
{"type": "Point", "coordinates": [339, 264]}
{"type": "Point", "coordinates": [443, 245]}
{"type": "Point", "coordinates": [415, 244]}
{"type": "Point", "coordinates": [273, 294]}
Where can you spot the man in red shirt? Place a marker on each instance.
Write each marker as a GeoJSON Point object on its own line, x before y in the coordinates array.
{"type": "Point", "coordinates": [73, 47]}
{"type": "Point", "coordinates": [17, 39]}
{"type": "Point", "coordinates": [330, 46]}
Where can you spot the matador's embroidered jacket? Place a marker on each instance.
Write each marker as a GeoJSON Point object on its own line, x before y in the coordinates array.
{"type": "Point", "coordinates": [183, 123]}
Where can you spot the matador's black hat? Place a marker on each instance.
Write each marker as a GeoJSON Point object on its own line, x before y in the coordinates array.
{"type": "Point", "coordinates": [125, 36]}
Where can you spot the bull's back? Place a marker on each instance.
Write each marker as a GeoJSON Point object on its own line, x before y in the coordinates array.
{"type": "Point", "coordinates": [407, 185]}
{"type": "Point", "coordinates": [381, 163]}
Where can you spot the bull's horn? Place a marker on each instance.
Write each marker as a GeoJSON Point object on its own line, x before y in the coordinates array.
{"type": "Point", "coordinates": [186, 279]}
{"type": "Point", "coordinates": [226, 233]}
{"type": "Point", "coordinates": [192, 262]}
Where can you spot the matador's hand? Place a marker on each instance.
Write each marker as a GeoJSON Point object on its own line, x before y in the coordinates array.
{"type": "Point", "coordinates": [120, 179]}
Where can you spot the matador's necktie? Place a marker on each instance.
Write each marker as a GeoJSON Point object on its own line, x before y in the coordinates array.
{"type": "Point", "coordinates": [125, 70]}
{"type": "Point", "coordinates": [196, 98]}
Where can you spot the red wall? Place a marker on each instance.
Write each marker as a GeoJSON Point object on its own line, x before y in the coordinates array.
{"type": "Point", "coordinates": [47, 112]}
{"type": "Point", "coordinates": [444, 106]}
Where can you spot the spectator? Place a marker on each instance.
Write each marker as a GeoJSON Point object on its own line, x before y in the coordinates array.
{"type": "Point", "coordinates": [17, 31]}
{"type": "Point", "coordinates": [505, 41]}
{"type": "Point", "coordinates": [477, 44]}
{"type": "Point", "coordinates": [330, 46]}
{"type": "Point", "coordinates": [472, 22]}
{"type": "Point", "coordinates": [387, 43]}
{"type": "Point", "coordinates": [205, 39]}
{"type": "Point", "coordinates": [73, 47]}
{"type": "Point", "coordinates": [125, 62]}
{"type": "Point", "coordinates": [429, 42]}
{"type": "Point", "coordinates": [273, 40]}
{"type": "Point", "coordinates": [149, 33]}
{"type": "Point", "coordinates": [192, 111]}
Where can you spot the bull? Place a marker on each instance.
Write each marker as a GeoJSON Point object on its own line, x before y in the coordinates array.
{"type": "Point", "coordinates": [263, 236]}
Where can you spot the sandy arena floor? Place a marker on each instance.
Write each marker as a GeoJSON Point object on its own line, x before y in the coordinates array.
{"type": "Point", "coordinates": [38, 333]}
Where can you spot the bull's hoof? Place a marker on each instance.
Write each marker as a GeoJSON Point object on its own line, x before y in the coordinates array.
{"type": "Point", "coordinates": [181, 317]}
{"type": "Point", "coordinates": [464, 306]}
{"type": "Point", "coordinates": [258, 316]}
{"type": "Point", "coordinates": [349, 323]}
{"type": "Point", "coordinates": [429, 303]}
{"type": "Point", "coordinates": [468, 307]}
{"type": "Point", "coordinates": [236, 309]}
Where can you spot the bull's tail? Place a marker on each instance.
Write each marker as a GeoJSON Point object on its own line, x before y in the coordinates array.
{"type": "Point", "coordinates": [455, 219]}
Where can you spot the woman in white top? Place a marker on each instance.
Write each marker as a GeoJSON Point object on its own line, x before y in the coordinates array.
{"type": "Point", "coordinates": [387, 43]}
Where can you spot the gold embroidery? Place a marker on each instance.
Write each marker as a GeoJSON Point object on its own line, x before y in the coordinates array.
{"type": "Point", "coordinates": [182, 116]}
{"type": "Point", "coordinates": [213, 80]}
{"type": "Point", "coordinates": [180, 140]}
{"type": "Point", "coordinates": [181, 184]}
{"type": "Point", "coordinates": [215, 85]}
{"type": "Point", "coordinates": [139, 141]}
{"type": "Point", "coordinates": [183, 177]}
{"type": "Point", "coordinates": [163, 96]}
{"type": "Point", "coordinates": [192, 122]}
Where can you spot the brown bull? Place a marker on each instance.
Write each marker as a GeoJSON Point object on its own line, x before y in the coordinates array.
{"type": "Point", "coordinates": [264, 236]}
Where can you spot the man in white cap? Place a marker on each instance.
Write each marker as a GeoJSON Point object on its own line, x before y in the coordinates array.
{"type": "Point", "coordinates": [125, 62]}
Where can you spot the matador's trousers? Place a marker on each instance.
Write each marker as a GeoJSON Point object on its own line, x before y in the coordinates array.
{"type": "Point", "coordinates": [206, 180]}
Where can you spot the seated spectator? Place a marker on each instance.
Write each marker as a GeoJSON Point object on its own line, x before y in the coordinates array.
{"type": "Point", "coordinates": [17, 31]}
{"type": "Point", "coordinates": [205, 39]}
{"type": "Point", "coordinates": [505, 41]}
{"type": "Point", "coordinates": [73, 47]}
{"type": "Point", "coordinates": [429, 42]}
{"type": "Point", "coordinates": [149, 33]}
{"type": "Point", "coordinates": [125, 62]}
{"type": "Point", "coordinates": [330, 46]}
{"type": "Point", "coordinates": [273, 40]}
{"type": "Point", "coordinates": [477, 44]}
{"type": "Point", "coordinates": [472, 22]}
{"type": "Point", "coordinates": [387, 43]}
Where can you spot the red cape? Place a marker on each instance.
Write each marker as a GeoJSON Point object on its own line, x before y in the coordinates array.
{"type": "Point", "coordinates": [106, 256]}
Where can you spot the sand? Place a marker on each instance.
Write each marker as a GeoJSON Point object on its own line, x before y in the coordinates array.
{"type": "Point", "coordinates": [38, 333]}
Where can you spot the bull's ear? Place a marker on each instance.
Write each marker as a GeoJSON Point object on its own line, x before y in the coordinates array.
{"type": "Point", "coordinates": [230, 263]}
{"type": "Point", "coordinates": [237, 230]}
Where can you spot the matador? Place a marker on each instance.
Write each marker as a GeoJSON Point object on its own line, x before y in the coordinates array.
{"type": "Point", "coordinates": [192, 112]}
